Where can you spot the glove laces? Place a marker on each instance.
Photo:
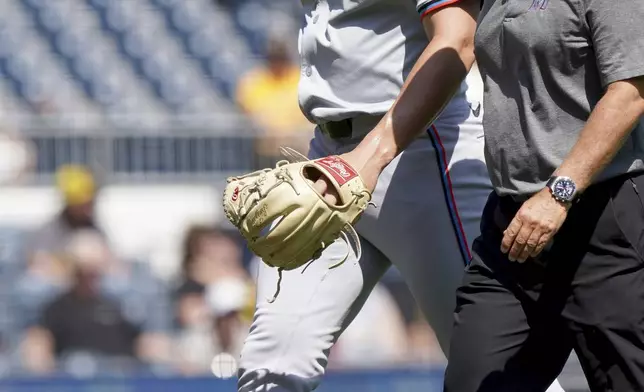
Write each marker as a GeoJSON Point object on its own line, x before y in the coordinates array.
{"type": "Point", "coordinates": [283, 176]}
{"type": "Point", "coordinates": [345, 233]}
{"type": "Point", "coordinates": [348, 232]}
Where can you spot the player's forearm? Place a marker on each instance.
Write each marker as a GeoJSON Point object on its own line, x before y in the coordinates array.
{"type": "Point", "coordinates": [608, 127]}
{"type": "Point", "coordinates": [430, 85]}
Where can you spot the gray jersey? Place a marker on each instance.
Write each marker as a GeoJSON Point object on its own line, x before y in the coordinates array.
{"type": "Point", "coordinates": [356, 54]}
{"type": "Point", "coordinates": [545, 65]}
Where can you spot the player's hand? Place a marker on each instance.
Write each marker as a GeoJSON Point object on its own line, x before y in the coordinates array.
{"type": "Point", "coordinates": [369, 171]}
{"type": "Point", "coordinates": [325, 188]}
{"type": "Point", "coordinates": [533, 226]}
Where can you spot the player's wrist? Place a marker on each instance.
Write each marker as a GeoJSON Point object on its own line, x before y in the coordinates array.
{"type": "Point", "coordinates": [383, 156]}
{"type": "Point", "coordinates": [376, 151]}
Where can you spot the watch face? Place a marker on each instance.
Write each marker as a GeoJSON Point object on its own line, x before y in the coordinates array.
{"type": "Point", "coordinates": [564, 189]}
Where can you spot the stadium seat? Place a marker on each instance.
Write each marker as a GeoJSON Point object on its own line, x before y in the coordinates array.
{"type": "Point", "coordinates": [71, 42]}
{"type": "Point", "coordinates": [161, 56]}
{"type": "Point", "coordinates": [208, 34]}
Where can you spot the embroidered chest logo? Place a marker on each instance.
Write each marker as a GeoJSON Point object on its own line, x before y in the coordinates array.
{"type": "Point", "coordinates": [538, 5]}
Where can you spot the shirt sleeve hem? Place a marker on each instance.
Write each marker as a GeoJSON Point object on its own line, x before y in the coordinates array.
{"type": "Point", "coordinates": [622, 75]}
{"type": "Point", "coordinates": [433, 6]}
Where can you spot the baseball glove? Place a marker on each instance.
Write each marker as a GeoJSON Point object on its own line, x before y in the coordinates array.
{"type": "Point", "coordinates": [285, 220]}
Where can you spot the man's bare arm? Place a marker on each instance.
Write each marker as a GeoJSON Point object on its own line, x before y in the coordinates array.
{"type": "Point", "coordinates": [607, 129]}
{"type": "Point", "coordinates": [430, 85]}
{"type": "Point", "coordinates": [436, 76]}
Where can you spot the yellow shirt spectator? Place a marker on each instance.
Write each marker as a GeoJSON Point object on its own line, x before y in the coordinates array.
{"type": "Point", "coordinates": [269, 96]}
{"type": "Point", "coordinates": [271, 100]}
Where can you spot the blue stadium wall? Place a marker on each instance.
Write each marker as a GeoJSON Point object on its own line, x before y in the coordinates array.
{"type": "Point", "coordinates": [402, 381]}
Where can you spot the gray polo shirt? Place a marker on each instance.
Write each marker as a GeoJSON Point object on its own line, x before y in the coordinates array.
{"type": "Point", "coordinates": [545, 65]}
{"type": "Point", "coordinates": [356, 54]}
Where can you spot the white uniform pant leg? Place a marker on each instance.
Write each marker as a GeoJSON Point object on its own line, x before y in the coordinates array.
{"type": "Point", "coordinates": [429, 217]}
{"type": "Point", "coordinates": [289, 340]}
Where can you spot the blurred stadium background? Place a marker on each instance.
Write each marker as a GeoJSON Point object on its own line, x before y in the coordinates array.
{"type": "Point", "coordinates": [119, 122]}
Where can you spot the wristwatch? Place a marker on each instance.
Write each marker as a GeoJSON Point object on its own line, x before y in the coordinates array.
{"type": "Point", "coordinates": [563, 189]}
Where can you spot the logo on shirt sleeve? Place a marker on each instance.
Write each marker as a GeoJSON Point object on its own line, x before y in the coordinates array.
{"type": "Point", "coordinates": [539, 5]}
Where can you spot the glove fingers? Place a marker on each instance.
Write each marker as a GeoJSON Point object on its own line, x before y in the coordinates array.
{"type": "Point", "coordinates": [283, 230]}
{"type": "Point", "coordinates": [294, 254]}
{"type": "Point", "coordinates": [300, 246]}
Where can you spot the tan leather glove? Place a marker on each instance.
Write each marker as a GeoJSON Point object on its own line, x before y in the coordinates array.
{"type": "Point", "coordinates": [284, 219]}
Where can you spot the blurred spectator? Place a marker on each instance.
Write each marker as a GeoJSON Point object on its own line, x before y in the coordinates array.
{"type": "Point", "coordinates": [86, 318]}
{"type": "Point", "coordinates": [214, 301]}
{"type": "Point", "coordinates": [219, 326]}
{"type": "Point", "coordinates": [229, 300]}
{"type": "Point", "coordinates": [269, 96]}
{"type": "Point", "coordinates": [48, 272]}
{"type": "Point", "coordinates": [143, 299]}
{"type": "Point", "coordinates": [209, 253]}
{"type": "Point", "coordinates": [78, 191]}
{"type": "Point", "coordinates": [81, 319]}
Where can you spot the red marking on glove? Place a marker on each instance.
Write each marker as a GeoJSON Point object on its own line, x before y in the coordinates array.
{"type": "Point", "coordinates": [235, 194]}
{"type": "Point", "coordinates": [339, 169]}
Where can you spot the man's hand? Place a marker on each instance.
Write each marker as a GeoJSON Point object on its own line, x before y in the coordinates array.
{"type": "Point", "coordinates": [533, 226]}
{"type": "Point", "coordinates": [359, 159]}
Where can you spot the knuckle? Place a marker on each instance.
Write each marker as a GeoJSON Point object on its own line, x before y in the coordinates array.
{"type": "Point", "coordinates": [513, 229]}
{"type": "Point", "coordinates": [542, 227]}
{"type": "Point", "coordinates": [523, 216]}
